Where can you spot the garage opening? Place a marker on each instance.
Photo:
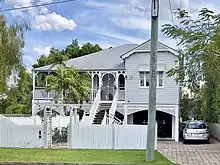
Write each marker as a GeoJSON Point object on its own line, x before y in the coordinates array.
{"type": "Point", "coordinates": [164, 121]}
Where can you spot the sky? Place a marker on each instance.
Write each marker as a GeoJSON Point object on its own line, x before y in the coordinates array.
{"type": "Point", "coordinates": [104, 22]}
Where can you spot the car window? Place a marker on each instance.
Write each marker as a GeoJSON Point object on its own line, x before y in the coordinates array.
{"type": "Point", "coordinates": [196, 126]}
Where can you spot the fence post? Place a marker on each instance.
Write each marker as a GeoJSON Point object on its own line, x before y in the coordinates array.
{"type": "Point", "coordinates": [68, 136]}
{"type": "Point", "coordinates": [45, 128]}
{"type": "Point", "coordinates": [71, 127]}
{"type": "Point", "coordinates": [113, 136]}
{"type": "Point", "coordinates": [75, 116]}
{"type": "Point", "coordinates": [125, 114]}
{"type": "Point", "coordinates": [156, 126]}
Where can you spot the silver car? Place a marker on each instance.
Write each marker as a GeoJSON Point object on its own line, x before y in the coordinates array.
{"type": "Point", "coordinates": [196, 130]}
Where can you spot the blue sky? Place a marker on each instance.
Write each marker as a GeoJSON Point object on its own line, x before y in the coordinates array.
{"type": "Point", "coordinates": [104, 22]}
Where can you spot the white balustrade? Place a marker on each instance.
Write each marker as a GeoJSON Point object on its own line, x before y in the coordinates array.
{"type": "Point", "coordinates": [121, 94]}
{"type": "Point", "coordinates": [113, 106]}
{"type": "Point", "coordinates": [95, 106]}
{"type": "Point", "coordinates": [40, 93]}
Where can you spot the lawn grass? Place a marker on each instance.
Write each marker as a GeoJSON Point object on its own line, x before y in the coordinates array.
{"type": "Point", "coordinates": [79, 156]}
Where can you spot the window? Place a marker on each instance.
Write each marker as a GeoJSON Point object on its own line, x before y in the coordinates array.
{"type": "Point", "coordinates": [142, 79]}
{"type": "Point", "coordinates": [160, 79]}
{"type": "Point", "coordinates": [147, 74]}
{"type": "Point", "coordinates": [145, 79]}
{"type": "Point", "coordinates": [196, 126]}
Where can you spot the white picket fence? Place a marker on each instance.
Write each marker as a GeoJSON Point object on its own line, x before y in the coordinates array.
{"type": "Point", "coordinates": [109, 137]}
{"type": "Point", "coordinates": [21, 136]}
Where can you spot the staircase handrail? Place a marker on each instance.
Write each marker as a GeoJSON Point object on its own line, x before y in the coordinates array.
{"type": "Point", "coordinates": [85, 118]}
{"type": "Point", "coordinates": [115, 119]}
{"type": "Point", "coordinates": [104, 119]}
{"type": "Point", "coordinates": [95, 105]}
{"type": "Point", "coordinates": [114, 104]}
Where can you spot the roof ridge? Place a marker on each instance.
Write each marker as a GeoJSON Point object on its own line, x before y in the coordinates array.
{"type": "Point", "coordinates": [108, 49]}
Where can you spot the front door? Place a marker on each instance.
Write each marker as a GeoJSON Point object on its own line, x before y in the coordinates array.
{"type": "Point", "coordinates": [108, 87]}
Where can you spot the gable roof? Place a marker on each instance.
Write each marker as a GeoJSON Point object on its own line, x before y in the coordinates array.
{"type": "Point", "coordinates": [107, 59]}
{"type": "Point", "coordinates": [145, 47]}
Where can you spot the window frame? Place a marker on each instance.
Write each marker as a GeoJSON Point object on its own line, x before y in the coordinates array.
{"type": "Point", "coordinates": [158, 79]}
{"type": "Point", "coordinates": [140, 79]}
{"type": "Point", "coordinates": [145, 78]}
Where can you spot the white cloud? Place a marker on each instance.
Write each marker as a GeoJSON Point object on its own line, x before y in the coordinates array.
{"type": "Point", "coordinates": [113, 34]}
{"type": "Point", "coordinates": [53, 21]}
{"type": "Point", "coordinates": [16, 13]}
{"type": "Point", "coordinates": [133, 23]}
{"type": "Point", "coordinates": [19, 2]}
{"type": "Point", "coordinates": [45, 1]}
{"type": "Point", "coordinates": [135, 14]}
{"type": "Point", "coordinates": [42, 18]}
{"type": "Point", "coordinates": [43, 10]}
{"type": "Point", "coordinates": [42, 50]}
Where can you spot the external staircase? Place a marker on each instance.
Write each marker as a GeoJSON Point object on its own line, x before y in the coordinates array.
{"type": "Point", "coordinates": [102, 108]}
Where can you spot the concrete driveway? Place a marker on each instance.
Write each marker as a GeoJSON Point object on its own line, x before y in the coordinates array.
{"type": "Point", "coordinates": [191, 154]}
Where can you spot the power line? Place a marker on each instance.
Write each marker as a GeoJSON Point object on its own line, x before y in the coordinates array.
{"type": "Point", "coordinates": [31, 6]}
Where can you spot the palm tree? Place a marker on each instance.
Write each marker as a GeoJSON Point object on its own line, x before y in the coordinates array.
{"type": "Point", "coordinates": [57, 59]}
{"type": "Point", "coordinates": [74, 86]}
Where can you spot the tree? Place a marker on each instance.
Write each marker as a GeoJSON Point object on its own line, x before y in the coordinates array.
{"type": "Point", "coordinates": [41, 61]}
{"type": "Point", "coordinates": [55, 57]}
{"type": "Point", "coordinates": [200, 55]}
{"type": "Point", "coordinates": [89, 48]}
{"type": "Point", "coordinates": [11, 44]}
{"type": "Point", "coordinates": [74, 86]}
{"type": "Point", "coordinates": [19, 97]}
{"type": "Point", "coordinates": [71, 51]}
{"type": "Point", "coordinates": [191, 107]}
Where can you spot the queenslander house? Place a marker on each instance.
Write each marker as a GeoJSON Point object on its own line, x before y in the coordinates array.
{"type": "Point", "coordinates": [120, 87]}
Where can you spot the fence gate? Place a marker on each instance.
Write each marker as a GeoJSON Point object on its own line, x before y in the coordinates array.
{"type": "Point", "coordinates": [58, 133]}
{"type": "Point", "coordinates": [55, 137]}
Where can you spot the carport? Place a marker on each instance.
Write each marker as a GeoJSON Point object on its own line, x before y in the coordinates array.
{"type": "Point", "coordinates": [167, 117]}
{"type": "Point", "coordinates": [163, 119]}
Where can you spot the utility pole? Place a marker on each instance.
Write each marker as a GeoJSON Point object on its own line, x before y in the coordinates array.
{"type": "Point", "coordinates": [153, 82]}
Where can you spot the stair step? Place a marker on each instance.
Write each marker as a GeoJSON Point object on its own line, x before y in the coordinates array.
{"type": "Point", "coordinates": [102, 108]}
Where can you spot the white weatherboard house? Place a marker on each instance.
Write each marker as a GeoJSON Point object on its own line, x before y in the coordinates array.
{"type": "Point", "coordinates": [120, 87]}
